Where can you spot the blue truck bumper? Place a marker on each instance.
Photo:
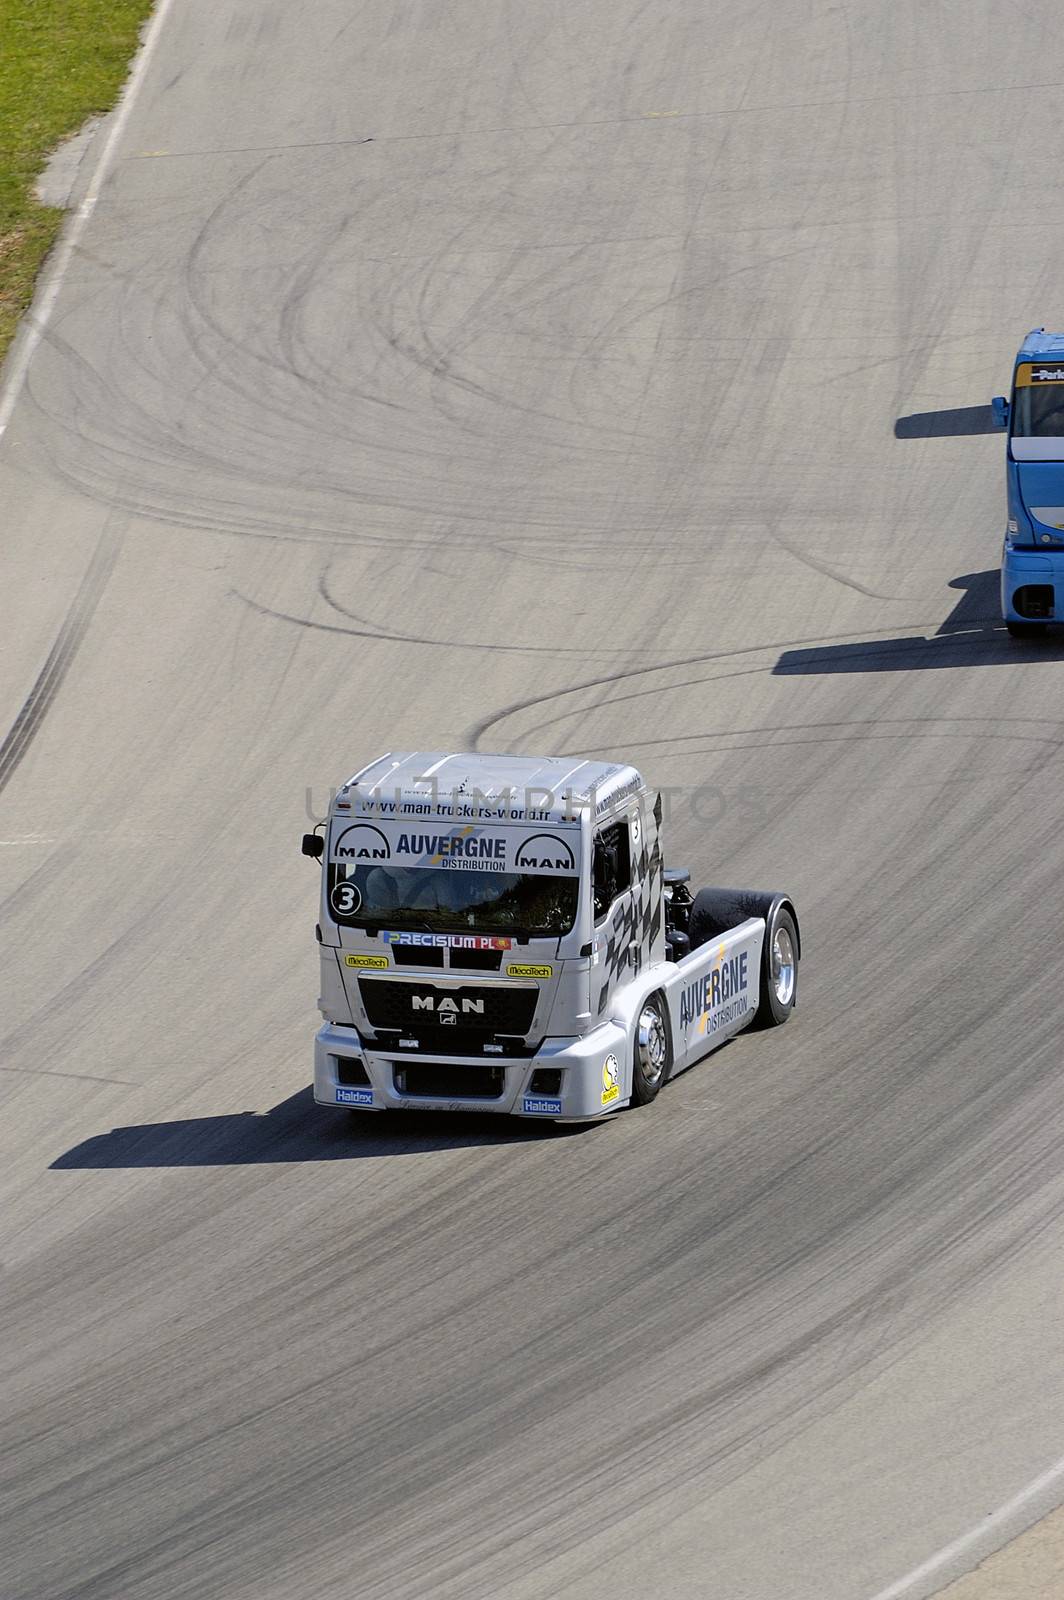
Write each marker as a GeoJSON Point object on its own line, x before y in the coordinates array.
{"type": "Point", "coordinates": [1032, 586]}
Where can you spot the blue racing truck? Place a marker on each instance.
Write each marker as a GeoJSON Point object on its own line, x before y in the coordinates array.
{"type": "Point", "coordinates": [1032, 564]}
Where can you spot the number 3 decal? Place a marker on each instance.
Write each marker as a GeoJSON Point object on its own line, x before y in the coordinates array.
{"type": "Point", "coordinates": [345, 898]}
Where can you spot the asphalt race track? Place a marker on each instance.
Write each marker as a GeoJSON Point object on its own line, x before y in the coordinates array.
{"type": "Point", "coordinates": [602, 378]}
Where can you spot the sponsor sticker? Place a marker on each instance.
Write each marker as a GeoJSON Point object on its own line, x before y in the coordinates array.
{"type": "Point", "coordinates": [615, 796]}
{"type": "Point", "coordinates": [704, 1002]}
{"type": "Point", "coordinates": [1029, 374]}
{"type": "Point", "coordinates": [529, 969]}
{"type": "Point", "coordinates": [378, 963]}
{"type": "Point", "coordinates": [538, 1105]}
{"type": "Point", "coordinates": [449, 941]}
{"type": "Point", "coordinates": [611, 1087]}
{"type": "Point", "coordinates": [470, 848]}
{"type": "Point", "coordinates": [354, 1097]}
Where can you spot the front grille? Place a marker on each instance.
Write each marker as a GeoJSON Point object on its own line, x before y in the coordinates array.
{"type": "Point", "coordinates": [418, 956]}
{"type": "Point", "coordinates": [445, 1080]}
{"type": "Point", "coordinates": [351, 1073]}
{"type": "Point", "coordinates": [456, 1041]}
{"type": "Point", "coordinates": [477, 960]}
{"type": "Point", "coordinates": [418, 1007]}
{"type": "Point", "coordinates": [1034, 600]}
{"type": "Point", "coordinates": [433, 956]}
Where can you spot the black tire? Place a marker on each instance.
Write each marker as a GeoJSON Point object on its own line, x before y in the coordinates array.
{"type": "Point", "coordinates": [779, 971]}
{"type": "Point", "coordinates": [1026, 630]}
{"type": "Point", "coordinates": [651, 1051]}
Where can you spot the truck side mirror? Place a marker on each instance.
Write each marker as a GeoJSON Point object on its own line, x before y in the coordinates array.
{"type": "Point", "coordinates": [999, 407]}
{"type": "Point", "coordinates": [313, 845]}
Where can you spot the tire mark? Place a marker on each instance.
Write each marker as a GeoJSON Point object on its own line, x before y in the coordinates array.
{"type": "Point", "coordinates": [81, 1077]}
{"type": "Point", "coordinates": [367, 630]}
{"type": "Point", "coordinates": [477, 730]}
{"type": "Point", "coordinates": [605, 701]}
{"type": "Point", "coordinates": [824, 570]}
{"type": "Point", "coordinates": [790, 727]}
{"type": "Point", "coordinates": [39, 701]}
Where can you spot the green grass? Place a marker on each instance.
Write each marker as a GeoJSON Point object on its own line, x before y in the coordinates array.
{"type": "Point", "coordinates": [60, 62]}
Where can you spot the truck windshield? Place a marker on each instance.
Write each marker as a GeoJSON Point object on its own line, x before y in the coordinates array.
{"type": "Point", "coordinates": [535, 905]}
{"type": "Point", "coordinates": [1038, 412]}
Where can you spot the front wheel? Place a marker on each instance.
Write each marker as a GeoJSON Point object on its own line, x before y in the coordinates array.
{"type": "Point", "coordinates": [653, 1051]}
{"type": "Point", "coordinates": [1026, 630]}
{"type": "Point", "coordinates": [779, 971]}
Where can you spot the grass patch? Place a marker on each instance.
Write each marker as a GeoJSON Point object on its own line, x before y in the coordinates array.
{"type": "Point", "coordinates": [61, 61]}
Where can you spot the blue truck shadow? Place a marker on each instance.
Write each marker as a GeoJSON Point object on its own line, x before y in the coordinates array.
{"type": "Point", "coordinates": [958, 423]}
{"type": "Point", "coordinates": [297, 1130]}
{"type": "Point", "coordinates": [973, 635]}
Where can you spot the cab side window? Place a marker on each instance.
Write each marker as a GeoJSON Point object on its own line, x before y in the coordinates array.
{"type": "Point", "coordinates": [612, 866]}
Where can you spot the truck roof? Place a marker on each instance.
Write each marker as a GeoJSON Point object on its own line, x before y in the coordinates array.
{"type": "Point", "coordinates": [1039, 343]}
{"type": "Point", "coordinates": [548, 785]}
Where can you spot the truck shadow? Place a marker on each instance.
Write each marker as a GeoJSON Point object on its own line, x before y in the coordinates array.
{"type": "Point", "coordinates": [961, 421]}
{"type": "Point", "coordinates": [297, 1130]}
{"type": "Point", "coordinates": [973, 635]}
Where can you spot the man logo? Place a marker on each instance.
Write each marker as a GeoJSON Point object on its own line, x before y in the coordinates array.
{"type": "Point", "coordinates": [446, 1007]}
{"type": "Point", "coordinates": [362, 843]}
{"type": "Point", "coordinates": [544, 852]}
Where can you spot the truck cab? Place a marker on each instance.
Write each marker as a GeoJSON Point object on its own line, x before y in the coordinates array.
{"type": "Point", "coordinates": [497, 933]}
{"type": "Point", "coordinates": [1032, 567]}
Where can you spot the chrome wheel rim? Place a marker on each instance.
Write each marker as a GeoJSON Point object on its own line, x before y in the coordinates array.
{"type": "Point", "coordinates": [653, 1043]}
{"type": "Point", "coordinates": [783, 966]}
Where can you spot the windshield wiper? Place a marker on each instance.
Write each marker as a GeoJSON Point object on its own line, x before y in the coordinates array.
{"type": "Point", "coordinates": [400, 920]}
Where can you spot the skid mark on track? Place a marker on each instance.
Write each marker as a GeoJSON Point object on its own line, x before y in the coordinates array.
{"type": "Point", "coordinates": [854, 729]}
{"type": "Point", "coordinates": [368, 631]}
{"type": "Point", "coordinates": [61, 656]}
{"type": "Point", "coordinates": [478, 729]}
{"type": "Point", "coordinates": [81, 1077]}
{"type": "Point", "coordinates": [826, 571]}
{"type": "Point", "coordinates": [851, 722]}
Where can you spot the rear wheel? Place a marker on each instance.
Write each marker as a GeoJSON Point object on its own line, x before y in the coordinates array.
{"type": "Point", "coordinates": [779, 971]}
{"type": "Point", "coordinates": [653, 1051]}
{"type": "Point", "coordinates": [1026, 630]}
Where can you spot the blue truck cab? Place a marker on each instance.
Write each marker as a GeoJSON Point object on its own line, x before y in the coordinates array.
{"type": "Point", "coordinates": [1032, 564]}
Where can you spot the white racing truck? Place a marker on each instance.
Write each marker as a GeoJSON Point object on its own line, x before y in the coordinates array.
{"type": "Point", "coordinates": [499, 933]}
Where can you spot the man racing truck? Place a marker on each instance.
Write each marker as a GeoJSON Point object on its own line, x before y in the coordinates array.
{"type": "Point", "coordinates": [499, 933]}
{"type": "Point", "coordinates": [1032, 566]}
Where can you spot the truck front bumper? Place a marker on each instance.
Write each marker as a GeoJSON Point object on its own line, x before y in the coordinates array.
{"type": "Point", "coordinates": [1032, 586]}
{"type": "Point", "coordinates": [587, 1077]}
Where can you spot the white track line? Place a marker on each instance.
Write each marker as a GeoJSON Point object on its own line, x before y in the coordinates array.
{"type": "Point", "coordinates": [36, 320]}
{"type": "Point", "coordinates": [995, 1520]}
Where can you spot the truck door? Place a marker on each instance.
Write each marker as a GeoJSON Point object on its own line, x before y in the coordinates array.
{"type": "Point", "coordinates": [617, 955]}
